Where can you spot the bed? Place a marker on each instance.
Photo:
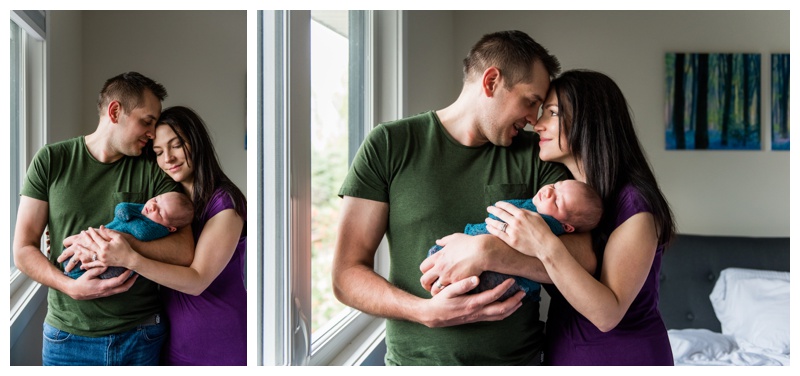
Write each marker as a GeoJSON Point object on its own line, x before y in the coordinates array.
{"type": "Point", "coordinates": [725, 300]}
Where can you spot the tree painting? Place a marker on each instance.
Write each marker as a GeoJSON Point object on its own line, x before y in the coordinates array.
{"type": "Point", "coordinates": [714, 101]}
{"type": "Point", "coordinates": [780, 101]}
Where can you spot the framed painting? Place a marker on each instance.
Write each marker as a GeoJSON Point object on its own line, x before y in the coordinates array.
{"type": "Point", "coordinates": [780, 101]}
{"type": "Point", "coordinates": [713, 101]}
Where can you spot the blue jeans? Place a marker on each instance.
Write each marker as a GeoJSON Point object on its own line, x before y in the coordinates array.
{"type": "Point", "coordinates": [140, 346]}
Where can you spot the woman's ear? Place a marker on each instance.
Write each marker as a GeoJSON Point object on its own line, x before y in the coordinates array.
{"type": "Point", "coordinates": [568, 227]}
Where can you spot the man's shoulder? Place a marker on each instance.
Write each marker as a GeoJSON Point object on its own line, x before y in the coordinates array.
{"type": "Point", "coordinates": [423, 118]}
{"type": "Point", "coordinates": [67, 145]}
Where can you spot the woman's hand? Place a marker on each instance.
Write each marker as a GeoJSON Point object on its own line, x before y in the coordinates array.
{"type": "Point", "coordinates": [78, 247]}
{"type": "Point", "coordinates": [462, 256]}
{"type": "Point", "coordinates": [525, 231]}
{"type": "Point", "coordinates": [104, 248]}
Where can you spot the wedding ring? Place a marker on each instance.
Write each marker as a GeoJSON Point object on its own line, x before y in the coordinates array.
{"type": "Point", "coordinates": [503, 227]}
{"type": "Point", "coordinates": [438, 285]}
{"type": "Point", "coordinates": [94, 256]}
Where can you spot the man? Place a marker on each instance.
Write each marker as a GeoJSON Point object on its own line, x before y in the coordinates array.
{"type": "Point", "coordinates": [75, 184]}
{"type": "Point", "coordinates": [421, 178]}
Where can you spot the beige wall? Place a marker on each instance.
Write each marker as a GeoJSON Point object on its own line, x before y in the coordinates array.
{"type": "Point", "coordinates": [711, 192]}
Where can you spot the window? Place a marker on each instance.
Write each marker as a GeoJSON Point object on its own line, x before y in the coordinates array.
{"type": "Point", "coordinates": [26, 136]}
{"type": "Point", "coordinates": [315, 99]}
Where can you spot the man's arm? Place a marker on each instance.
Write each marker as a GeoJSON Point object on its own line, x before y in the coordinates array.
{"type": "Point", "coordinates": [361, 227]}
{"type": "Point", "coordinates": [31, 222]}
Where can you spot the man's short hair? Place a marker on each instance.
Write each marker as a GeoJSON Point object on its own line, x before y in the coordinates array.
{"type": "Point", "coordinates": [128, 88]}
{"type": "Point", "coordinates": [514, 53]}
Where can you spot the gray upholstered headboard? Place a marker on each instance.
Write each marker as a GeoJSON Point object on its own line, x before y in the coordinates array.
{"type": "Point", "coordinates": [692, 264]}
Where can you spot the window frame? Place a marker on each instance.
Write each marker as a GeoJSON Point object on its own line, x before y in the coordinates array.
{"type": "Point", "coordinates": [26, 295]}
{"type": "Point", "coordinates": [284, 198]}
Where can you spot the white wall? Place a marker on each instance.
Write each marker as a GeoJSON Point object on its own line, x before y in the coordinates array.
{"type": "Point", "coordinates": [199, 56]}
{"type": "Point", "coordinates": [64, 76]}
{"type": "Point", "coordinates": [711, 192]}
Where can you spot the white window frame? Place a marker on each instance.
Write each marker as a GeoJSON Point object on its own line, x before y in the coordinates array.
{"type": "Point", "coordinates": [26, 295]}
{"type": "Point", "coordinates": [283, 139]}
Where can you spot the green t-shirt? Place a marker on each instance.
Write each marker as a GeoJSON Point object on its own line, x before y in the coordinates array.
{"type": "Point", "coordinates": [82, 192]}
{"type": "Point", "coordinates": [434, 185]}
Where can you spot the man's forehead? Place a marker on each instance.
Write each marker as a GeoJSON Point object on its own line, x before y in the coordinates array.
{"type": "Point", "coordinates": [532, 90]}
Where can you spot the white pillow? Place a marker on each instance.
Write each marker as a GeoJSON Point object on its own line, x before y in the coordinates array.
{"type": "Point", "coordinates": [699, 345]}
{"type": "Point", "coordinates": [753, 306]}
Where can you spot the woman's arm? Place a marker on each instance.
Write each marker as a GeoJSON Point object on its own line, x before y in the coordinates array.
{"type": "Point", "coordinates": [214, 250]}
{"type": "Point", "coordinates": [627, 260]}
{"type": "Point", "coordinates": [466, 255]}
{"type": "Point", "coordinates": [176, 248]}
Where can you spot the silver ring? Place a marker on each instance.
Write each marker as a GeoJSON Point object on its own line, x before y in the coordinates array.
{"type": "Point", "coordinates": [438, 285]}
{"type": "Point", "coordinates": [503, 227]}
{"type": "Point", "coordinates": [94, 256]}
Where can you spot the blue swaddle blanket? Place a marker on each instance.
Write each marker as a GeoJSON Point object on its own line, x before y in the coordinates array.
{"type": "Point", "coordinates": [128, 218]}
{"type": "Point", "coordinates": [489, 279]}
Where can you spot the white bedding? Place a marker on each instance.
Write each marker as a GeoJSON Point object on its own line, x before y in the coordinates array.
{"type": "Point", "coordinates": [752, 307]}
{"type": "Point", "coordinates": [702, 347]}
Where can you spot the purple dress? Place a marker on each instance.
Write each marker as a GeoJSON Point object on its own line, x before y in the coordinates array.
{"type": "Point", "coordinates": [211, 328]}
{"type": "Point", "coordinates": [639, 339]}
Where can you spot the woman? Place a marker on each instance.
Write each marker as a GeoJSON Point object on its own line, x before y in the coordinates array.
{"type": "Point", "coordinates": [612, 317]}
{"type": "Point", "coordinates": [205, 302]}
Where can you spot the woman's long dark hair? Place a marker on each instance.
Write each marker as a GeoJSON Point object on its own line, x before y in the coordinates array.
{"type": "Point", "coordinates": [600, 132]}
{"type": "Point", "coordinates": [208, 175]}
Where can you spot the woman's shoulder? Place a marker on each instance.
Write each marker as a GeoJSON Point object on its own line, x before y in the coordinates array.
{"type": "Point", "coordinates": [219, 201]}
{"type": "Point", "coordinates": [630, 201]}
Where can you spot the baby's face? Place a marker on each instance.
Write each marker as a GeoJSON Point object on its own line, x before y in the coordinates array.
{"type": "Point", "coordinates": [557, 200]}
{"type": "Point", "coordinates": [159, 208]}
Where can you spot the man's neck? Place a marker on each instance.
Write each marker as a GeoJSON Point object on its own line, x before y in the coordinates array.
{"type": "Point", "coordinates": [99, 146]}
{"type": "Point", "coordinates": [461, 121]}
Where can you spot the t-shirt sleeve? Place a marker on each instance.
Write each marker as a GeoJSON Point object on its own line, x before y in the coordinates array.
{"type": "Point", "coordinates": [37, 177]}
{"type": "Point", "coordinates": [367, 177]}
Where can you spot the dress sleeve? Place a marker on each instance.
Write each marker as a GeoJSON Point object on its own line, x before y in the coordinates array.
{"type": "Point", "coordinates": [630, 202]}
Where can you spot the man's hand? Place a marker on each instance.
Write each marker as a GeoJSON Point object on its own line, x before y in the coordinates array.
{"type": "Point", "coordinates": [461, 256]}
{"type": "Point", "coordinates": [88, 286]}
{"type": "Point", "coordinates": [452, 306]}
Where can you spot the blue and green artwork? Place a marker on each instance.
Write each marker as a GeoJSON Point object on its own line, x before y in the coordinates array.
{"type": "Point", "coordinates": [713, 101]}
{"type": "Point", "coordinates": [780, 101]}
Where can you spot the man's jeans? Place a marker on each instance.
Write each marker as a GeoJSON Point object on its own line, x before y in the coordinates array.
{"type": "Point", "coordinates": [140, 346]}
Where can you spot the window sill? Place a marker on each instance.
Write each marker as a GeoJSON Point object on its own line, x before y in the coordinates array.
{"type": "Point", "coordinates": [361, 350]}
{"type": "Point", "coordinates": [26, 297]}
